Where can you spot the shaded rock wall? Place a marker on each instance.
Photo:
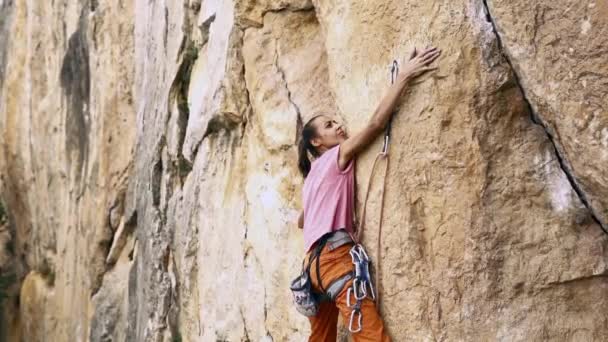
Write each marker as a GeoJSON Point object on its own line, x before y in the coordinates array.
{"type": "Point", "coordinates": [148, 166]}
{"type": "Point", "coordinates": [67, 147]}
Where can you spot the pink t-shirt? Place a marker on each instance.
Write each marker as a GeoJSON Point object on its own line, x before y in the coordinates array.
{"type": "Point", "coordinates": [328, 197]}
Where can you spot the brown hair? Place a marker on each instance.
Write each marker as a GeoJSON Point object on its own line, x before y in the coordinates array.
{"type": "Point", "coordinates": [305, 146]}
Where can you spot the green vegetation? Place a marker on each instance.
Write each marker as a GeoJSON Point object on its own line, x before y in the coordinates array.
{"type": "Point", "coordinates": [184, 167]}
{"type": "Point", "coordinates": [47, 272]}
{"type": "Point", "coordinates": [5, 282]}
{"type": "Point", "coordinates": [190, 52]}
{"type": "Point", "coordinates": [3, 216]}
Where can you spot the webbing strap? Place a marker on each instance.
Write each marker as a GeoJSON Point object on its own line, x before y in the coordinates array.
{"type": "Point", "coordinates": [333, 240]}
{"type": "Point", "coordinates": [319, 273]}
{"type": "Point", "coordinates": [336, 286]}
{"type": "Point", "coordinates": [314, 255]}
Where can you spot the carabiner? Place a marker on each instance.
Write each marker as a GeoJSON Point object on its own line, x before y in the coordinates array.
{"type": "Point", "coordinates": [359, 251]}
{"type": "Point", "coordinates": [385, 146]}
{"type": "Point", "coordinates": [354, 255]}
{"type": "Point", "coordinates": [359, 289]}
{"type": "Point", "coordinates": [362, 251]}
{"type": "Point", "coordinates": [350, 323]}
{"type": "Point", "coordinates": [371, 289]}
{"type": "Point", "coordinates": [348, 304]}
{"type": "Point", "coordinates": [394, 71]}
{"type": "Point", "coordinates": [387, 133]}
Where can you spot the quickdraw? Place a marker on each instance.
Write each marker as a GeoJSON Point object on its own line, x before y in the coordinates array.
{"type": "Point", "coordinates": [362, 286]}
{"type": "Point", "coordinates": [356, 313]}
{"type": "Point", "coordinates": [387, 132]}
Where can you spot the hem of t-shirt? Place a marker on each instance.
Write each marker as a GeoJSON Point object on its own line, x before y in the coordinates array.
{"type": "Point", "coordinates": [349, 166]}
{"type": "Point", "coordinates": [315, 239]}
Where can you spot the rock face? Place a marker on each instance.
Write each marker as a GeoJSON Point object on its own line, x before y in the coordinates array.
{"type": "Point", "coordinates": [557, 51]}
{"type": "Point", "coordinates": [148, 166]}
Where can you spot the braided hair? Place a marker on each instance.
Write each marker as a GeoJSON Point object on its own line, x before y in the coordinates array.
{"type": "Point", "coordinates": [305, 146]}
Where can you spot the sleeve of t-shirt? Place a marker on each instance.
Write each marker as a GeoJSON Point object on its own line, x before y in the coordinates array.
{"type": "Point", "coordinates": [348, 167]}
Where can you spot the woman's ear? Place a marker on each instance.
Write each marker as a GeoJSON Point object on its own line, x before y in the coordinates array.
{"type": "Point", "coordinates": [316, 142]}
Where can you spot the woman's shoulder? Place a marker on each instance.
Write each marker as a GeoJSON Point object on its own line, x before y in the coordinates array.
{"type": "Point", "coordinates": [323, 160]}
{"type": "Point", "coordinates": [327, 163]}
{"type": "Point", "coordinates": [332, 152]}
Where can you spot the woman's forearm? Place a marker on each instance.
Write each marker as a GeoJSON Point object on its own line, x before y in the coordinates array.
{"type": "Point", "coordinates": [383, 113]}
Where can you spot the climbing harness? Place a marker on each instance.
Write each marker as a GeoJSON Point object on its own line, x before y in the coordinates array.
{"type": "Point", "coordinates": [362, 286]}
{"type": "Point", "coordinates": [305, 299]}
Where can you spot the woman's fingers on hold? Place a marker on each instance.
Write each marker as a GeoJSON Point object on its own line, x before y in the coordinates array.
{"type": "Point", "coordinates": [430, 49]}
{"type": "Point", "coordinates": [433, 51]}
{"type": "Point", "coordinates": [431, 57]}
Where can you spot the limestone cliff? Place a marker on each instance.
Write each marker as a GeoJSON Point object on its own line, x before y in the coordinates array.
{"type": "Point", "coordinates": [148, 166]}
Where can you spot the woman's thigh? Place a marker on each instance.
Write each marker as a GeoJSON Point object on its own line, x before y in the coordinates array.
{"type": "Point", "coordinates": [372, 326]}
{"type": "Point", "coordinates": [324, 326]}
{"type": "Point", "coordinates": [332, 265]}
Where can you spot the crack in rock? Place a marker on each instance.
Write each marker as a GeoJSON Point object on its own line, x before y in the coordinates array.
{"type": "Point", "coordinates": [299, 122]}
{"type": "Point", "coordinates": [579, 279]}
{"type": "Point", "coordinates": [536, 118]}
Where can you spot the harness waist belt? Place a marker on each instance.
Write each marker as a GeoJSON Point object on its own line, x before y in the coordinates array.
{"type": "Point", "coordinates": [338, 238]}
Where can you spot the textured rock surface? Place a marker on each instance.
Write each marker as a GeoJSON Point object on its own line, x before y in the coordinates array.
{"type": "Point", "coordinates": [558, 51]}
{"type": "Point", "coordinates": [148, 166]}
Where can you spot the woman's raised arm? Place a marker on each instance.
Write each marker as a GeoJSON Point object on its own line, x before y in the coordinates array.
{"type": "Point", "coordinates": [417, 65]}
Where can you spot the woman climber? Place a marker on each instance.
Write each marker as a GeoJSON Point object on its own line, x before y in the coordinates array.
{"type": "Point", "coordinates": [327, 218]}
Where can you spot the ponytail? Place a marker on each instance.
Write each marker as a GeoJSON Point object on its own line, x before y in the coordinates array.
{"type": "Point", "coordinates": [305, 147]}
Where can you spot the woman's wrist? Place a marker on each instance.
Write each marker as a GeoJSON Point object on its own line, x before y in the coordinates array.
{"type": "Point", "coordinates": [404, 78]}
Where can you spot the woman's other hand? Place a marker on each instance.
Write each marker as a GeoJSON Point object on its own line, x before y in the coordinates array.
{"type": "Point", "coordinates": [419, 63]}
{"type": "Point", "coordinates": [301, 220]}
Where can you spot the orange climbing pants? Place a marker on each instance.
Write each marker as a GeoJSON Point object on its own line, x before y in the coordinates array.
{"type": "Point", "coordinates": [324, 326]}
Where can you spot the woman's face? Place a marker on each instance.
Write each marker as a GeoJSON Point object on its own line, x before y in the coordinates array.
{"type": "Point", "coordinates": [329, 133]}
